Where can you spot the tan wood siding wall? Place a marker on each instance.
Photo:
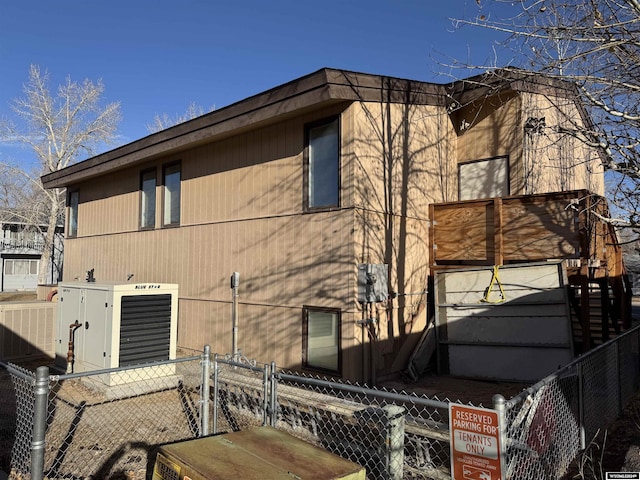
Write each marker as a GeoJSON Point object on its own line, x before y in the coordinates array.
{"type": "Point", "coordinates": [27, 330]}
{"type": "Point", "coordinates": [555, 161]}
{"type": "Point", "coordinates": [489, 128]}
{"type": "Point", "coordinates": [284, 262]}
{"type": "Point", "coordinates": [241, 211]}
{"type": "Point", "coordinates": [403, 158]}
{"type": "Point", "coordinates": [109, 204]}
{"type": "Point", "coordinates": [546, 162]}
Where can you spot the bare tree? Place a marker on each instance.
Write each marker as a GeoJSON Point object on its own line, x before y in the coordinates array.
{"type": "Point", "coordinates": [59, 130]}
{"type": "Point", "coordinates": [595, 45]}
{"type": "Point", "coordinates": [164, 121]}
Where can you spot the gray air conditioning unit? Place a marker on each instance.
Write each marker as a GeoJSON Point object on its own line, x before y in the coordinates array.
{"type": "Point", "coordinates": [116, 325]}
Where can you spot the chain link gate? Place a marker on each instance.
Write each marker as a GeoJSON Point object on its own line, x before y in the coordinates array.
{"type": "Point", "coordinates": [106, 423]}
{"type": "Point", "coordinates": [392, 435]}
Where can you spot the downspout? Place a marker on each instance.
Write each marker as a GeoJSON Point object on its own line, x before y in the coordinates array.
{"type": "Point", "coordinates": [70, 355]}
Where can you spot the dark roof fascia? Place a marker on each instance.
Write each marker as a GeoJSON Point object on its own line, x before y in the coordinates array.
{"type": "Point", "coordinates": [467, 91]}
{"type": "Point", "coordinates": [493, 82]}
{"type": "Point", "coordinates": [323, 87]}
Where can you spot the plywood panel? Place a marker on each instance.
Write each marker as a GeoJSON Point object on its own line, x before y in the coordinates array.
{"type": "Point", "coordinates": [537, 229]}
{"type": "Point", "coordinates": [464, 232]}
{"type": "Point", "coordinates": [521, 364]}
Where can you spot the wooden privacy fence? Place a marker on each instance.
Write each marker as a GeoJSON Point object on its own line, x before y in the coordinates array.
{"type": "Point", "coordinates": [569, 226]}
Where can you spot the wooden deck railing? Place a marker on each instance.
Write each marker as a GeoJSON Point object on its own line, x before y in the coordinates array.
{"type": "Point", "coordinates": [569, 226]}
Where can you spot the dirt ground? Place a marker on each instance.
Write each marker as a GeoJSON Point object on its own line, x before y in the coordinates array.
{"type": "Point", "coordinates": [616, 450]}
{"type": "Point", "coordinates": [17, 296]}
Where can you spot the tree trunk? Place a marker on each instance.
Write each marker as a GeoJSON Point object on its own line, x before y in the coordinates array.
{"type": "Point", "coordinates": [49, 237]}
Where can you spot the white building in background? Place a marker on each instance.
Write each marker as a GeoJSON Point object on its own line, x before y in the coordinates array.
{"type": "Point", "coordinates": [21, 248]}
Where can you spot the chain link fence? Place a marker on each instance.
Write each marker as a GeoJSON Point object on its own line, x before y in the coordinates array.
{"type": "Point", "coordinates": [104, 424]}
{"type": "Point", "coordinates": [550, 423]}
{"type": "Point", "coordinates": [107, 424]}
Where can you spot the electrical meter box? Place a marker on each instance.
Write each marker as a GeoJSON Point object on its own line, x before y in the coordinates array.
{"type": "Point", "coordinates": [116, 325]}
{"type": "Point", "coordinates": [373, 285]}
{"type": "Point", "coordinates": [262, 453]}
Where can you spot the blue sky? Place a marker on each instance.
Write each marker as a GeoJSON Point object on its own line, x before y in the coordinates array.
{"type": "Point", "coordinates": [158, 56]}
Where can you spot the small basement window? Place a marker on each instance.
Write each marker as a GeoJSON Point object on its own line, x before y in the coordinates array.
{"type": "Point", "coordinates": [321, 338]}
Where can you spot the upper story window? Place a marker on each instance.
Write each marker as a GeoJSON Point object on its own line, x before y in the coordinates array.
{"type": "Point", "coordinates": [72, 225]}
{"type": "Point", "coordinates": [483, 178]}
{"type": "Point", "coordinates": [148, 199]}
{"type": "Point", "coordinates": [171, 182]}
{"type": "Point", "coordinates": [322, 165]}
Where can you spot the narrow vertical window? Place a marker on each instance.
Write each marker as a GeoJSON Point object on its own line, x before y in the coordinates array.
{"type": "Point", "coordinates": [73, 214]}
{"type": "Point", "coordinates": [321, 338]}
{"type": "Point", "coordinates": [148, 199]}
{"type": "Point", "coordinates": [171, 214]}
{"type": "Point", "coordinates": [323, 165]}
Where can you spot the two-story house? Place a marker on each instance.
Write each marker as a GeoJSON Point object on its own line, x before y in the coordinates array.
{"type": "Point", "coordinates": [295, 187]}
{"type": "Point", "coordinates": [21, 246]}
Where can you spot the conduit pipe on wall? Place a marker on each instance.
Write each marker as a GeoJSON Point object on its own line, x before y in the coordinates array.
{"type": "Point", "coordinates": [235, 283]}
{"type": "Point", "coordinates": [368, 325]}
{"type": "Point", "coordinates": [70, 355]}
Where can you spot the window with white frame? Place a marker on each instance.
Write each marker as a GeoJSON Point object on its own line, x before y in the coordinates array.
{"type": "Point", "coordinates": [321, 338]}
{"type": "Point", "coordinates": [322, 164]}
{"type": "Point", "coordinates": [20, 267]}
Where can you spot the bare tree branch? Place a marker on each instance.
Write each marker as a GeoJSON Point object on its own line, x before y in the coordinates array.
{"type": "Point", "coordinates": [594, 44]}
{"type": "Point", "coordinates": [59, 130]}
{"type": "Point", "coordinates": [164, 121]}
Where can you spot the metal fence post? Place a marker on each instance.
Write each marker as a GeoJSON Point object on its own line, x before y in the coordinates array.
{"type": "Point", "coordinates": [500, 406]}
{"type": "Point", "coordinates": [216, 393]}
{"type": "Point", "coordinates": [266, 400]}
{"type": "Point", "coordinates": [583, 443]}
{"type": "Point", "coordinates": [395, 441]}
{"type": "Point", "coordinates": [205, 391]}
{"type": "Point", "coordinates": [41, 390]}
{"type": "Point", "coordinates": [273, 396]}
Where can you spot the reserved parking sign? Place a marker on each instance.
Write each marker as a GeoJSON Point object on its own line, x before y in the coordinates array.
{"type": "Point", "coordinates": [475, 443]}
